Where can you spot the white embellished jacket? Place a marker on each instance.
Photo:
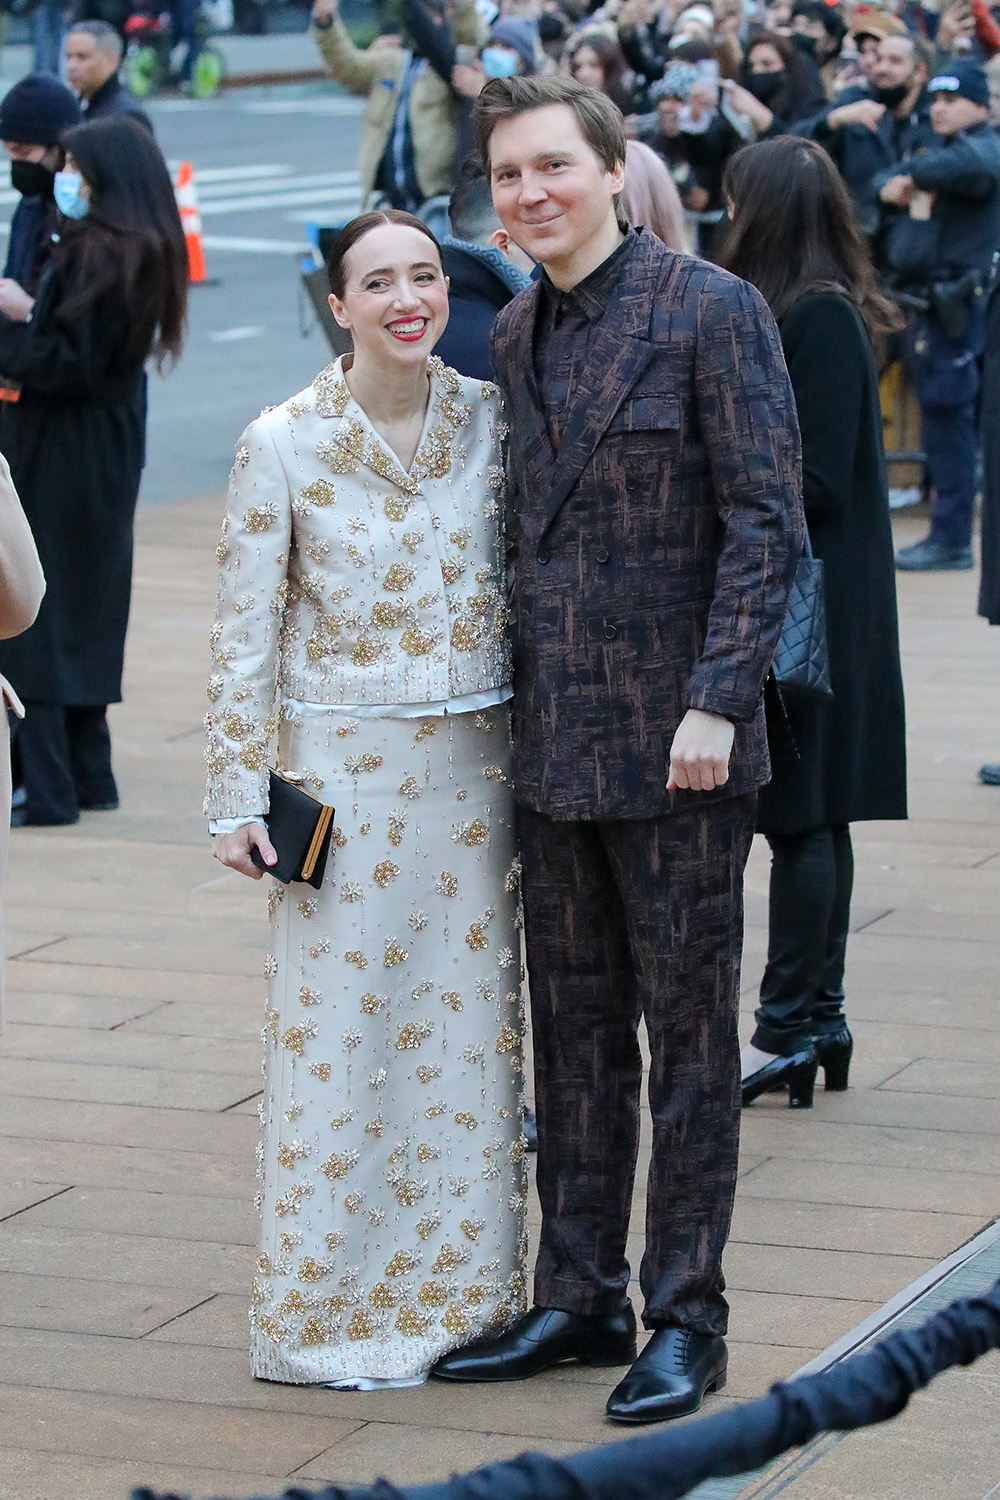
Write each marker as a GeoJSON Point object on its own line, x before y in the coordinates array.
{"type": "Point", "coordinates": [344, 579]}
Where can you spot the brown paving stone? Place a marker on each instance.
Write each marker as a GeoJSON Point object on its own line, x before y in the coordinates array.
{"type": "Point", "coordinates": [96, 1011]}
{"type": "Point", "coordinates": [832, 1273]}
{"type": "Point", "coordinates": [149, 955]}
{"type": "Point", "coordinates": [31, 1475]}
{"type": "Point", "coordinates": [794, 1322]}
{"type": "Point", "coordinates": [828, 1139]}
{"type": "Point", "coordinates": [76, 1306]}
{"type": "Point", "coordinates": [15, 1197]}
{"type": "Point", "coordinates": [945, 1076]}
{"type": "Point", "coordinates": [197, 1265]}
{"type": "Point", "coordinates": [217, 1019]}
{"type": "Point", "coordinates": [126, 1048]}
{"type": "Point", "coordinates": [136, 983]}
{"type": "Point", "coordinates": [122, 1085]}
{"type": "Point", "coordinates": [181, 1216]}
{"type": "Point", "coordinates": [125, 1125]}
{"type": "Point", "coordinates": [763, 1222]}
{"type": "Point", "coordinates": [951, 1192]}
{"type": "Point", "coordinates": [126, 1166]}
{"type": "Point", "coordinates": [165, 1431]}
{"type": "Point", "coordinates": [411, 1455]}
{"type": "Point", "coordinates": [221, 1322]}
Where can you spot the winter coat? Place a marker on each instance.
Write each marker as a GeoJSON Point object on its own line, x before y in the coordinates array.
{"type": "Point", "coordinates": [113, 99]}
{"type": "Point", "coordinates": [851, 763]}
{"type": "Point", "coordinates": [75, 444]}
{"type": "Point", "coordinates": [434, 107]}
{"type": "Point", "coordinates": [482, 282]}
{"type": "Point", "coordinates": [989, 578]}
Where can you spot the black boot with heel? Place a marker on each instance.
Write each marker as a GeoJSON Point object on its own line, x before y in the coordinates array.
{"type": "Point", "coordinates": [797, 1073]}
{"type": "Point", "coordinates": [834, 1053]}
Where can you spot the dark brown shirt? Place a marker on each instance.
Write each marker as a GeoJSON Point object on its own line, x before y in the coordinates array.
{"type": "Point", "coordinates": [564, 332]}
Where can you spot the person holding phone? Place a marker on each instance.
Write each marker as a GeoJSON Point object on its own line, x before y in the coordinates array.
{"type": "Point", "coordinates": [362, 624]}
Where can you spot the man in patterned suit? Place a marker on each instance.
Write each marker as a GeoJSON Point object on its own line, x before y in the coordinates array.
{"type": "Point", "coordinates": [655, 484]}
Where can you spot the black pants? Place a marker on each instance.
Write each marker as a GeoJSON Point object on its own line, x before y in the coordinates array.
{"type": "Point", "coordinates": [62, 758]}
{"type": "Point", "coordinates": [802, 992]}
{"type": "Point", "coordinates": [630, 920]}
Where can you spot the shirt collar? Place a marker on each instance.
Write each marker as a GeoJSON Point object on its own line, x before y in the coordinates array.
{"type": "Point", "coordinates": [590, 296]}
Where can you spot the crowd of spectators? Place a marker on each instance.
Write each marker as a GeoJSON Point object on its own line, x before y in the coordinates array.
{"type": "Point", "coordinates": [904, 97]}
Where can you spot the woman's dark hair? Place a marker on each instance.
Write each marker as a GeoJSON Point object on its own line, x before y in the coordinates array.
{"type": "Point", "coordinates": [794, 230]}
{"type": "Point", "coordinates": [131, 241]}
{"type": "Point", "coordinates": [801, 90]}
{"type": "Point", "coordinates": [356, 230]}
{"type": "Point", "coordinates": [613, 65]}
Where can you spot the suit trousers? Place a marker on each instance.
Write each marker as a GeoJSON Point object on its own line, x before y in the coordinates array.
{"type": "Point", "coordinates": [630, 920]}
{"type": "Point", "coordinates": [63, 756]}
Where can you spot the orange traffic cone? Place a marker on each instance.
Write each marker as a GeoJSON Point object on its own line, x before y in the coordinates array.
{"type": "Point", "coordinates": [187, 204]}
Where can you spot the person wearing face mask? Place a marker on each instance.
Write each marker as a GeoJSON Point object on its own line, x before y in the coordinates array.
{"type": "Point", "coordinates": [114, 292]}
{"type": "Point", "coordinates": [869, 128]}
{"type": "Point", "coordinates": [818, 32]}
{"type": "Point", "coordinates": [777, 84]}
{"type": "Point", "coordinates": [410, 132]}
{"type": "Point", "coordinates": [33, 116]}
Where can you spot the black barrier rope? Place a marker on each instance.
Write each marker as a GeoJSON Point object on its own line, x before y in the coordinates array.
{"type": "Point", "coordinates": [863, 1389]}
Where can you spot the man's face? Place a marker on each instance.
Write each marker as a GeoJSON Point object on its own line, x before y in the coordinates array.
{"type": "Point", "coordinates": [895, 63]}
{"type": "Point", "coordinates": [551, 191]}
{"type": "Point", "coordinates": [867, 54]}
{"type": "Point", "coordinates": [806, 26]}
{"type": "Point", "coordinates": [951, 113]}
{"type": "Point", "coordinates": [25, 151]}
{"type": "Point", "coordinates": [87, 67]}
{"type": "Point", "coordinates": [668, 111]}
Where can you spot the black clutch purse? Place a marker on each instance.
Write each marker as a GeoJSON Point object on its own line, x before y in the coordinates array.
{"type": "Point", "coordinates": [299, 827]}
{"type": "Point", "coordinates": [802, 660]}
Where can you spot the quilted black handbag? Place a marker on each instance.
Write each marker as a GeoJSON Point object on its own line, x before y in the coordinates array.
{"type": "Point", "coordinates": [802, 660]}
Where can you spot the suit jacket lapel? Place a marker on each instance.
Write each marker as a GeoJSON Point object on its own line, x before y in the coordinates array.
{"type": "Point", "coordinates": [531, 447]}
{"type": "Point", "coordinates": [620, 351]}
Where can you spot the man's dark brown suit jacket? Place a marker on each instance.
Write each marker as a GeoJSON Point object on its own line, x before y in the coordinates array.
{"type": "Point", "coordinates": [655, 550]}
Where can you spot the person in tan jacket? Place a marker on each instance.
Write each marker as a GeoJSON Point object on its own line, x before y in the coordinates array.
{"type": "Point", "coordinates": [410, 128]}
{"type": "Point", "coordinates": [21, 588]}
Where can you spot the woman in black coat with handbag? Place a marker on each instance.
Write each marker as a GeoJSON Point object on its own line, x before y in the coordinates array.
{"type": "Point", "coordinates": [794, 236]}
{"type": "Point", "coordinates": [113, 293]}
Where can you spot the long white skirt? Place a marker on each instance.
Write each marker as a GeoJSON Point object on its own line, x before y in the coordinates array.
{"type": "Point", "coordinates": [392, 1163]}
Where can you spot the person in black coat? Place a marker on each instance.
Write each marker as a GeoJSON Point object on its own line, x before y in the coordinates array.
{"type": "Point", "coordinates": [795, 237]}
{"type": "Point", "coordinates": [33, 116]}
{"type": "Point", "coordinates": [113, 293]}
{"type": "Point", "coordinates": [93, 56]}
{"type": "Point", "coordinates": [484, 269]}
{"type": "Point", "coordinates": [989, 421]}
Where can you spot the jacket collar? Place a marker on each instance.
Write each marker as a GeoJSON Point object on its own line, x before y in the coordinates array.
{"type": "Point", "coordinates": [353, 443]}
{"type": "Point", "coordinates": [620, 351]}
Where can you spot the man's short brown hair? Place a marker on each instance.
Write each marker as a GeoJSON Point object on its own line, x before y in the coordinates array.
{"type": "Point", "coordinates": [600, 121]}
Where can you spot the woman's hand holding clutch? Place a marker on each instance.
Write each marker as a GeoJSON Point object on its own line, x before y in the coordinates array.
{"type": "Point", "coordinates": [233, 849]}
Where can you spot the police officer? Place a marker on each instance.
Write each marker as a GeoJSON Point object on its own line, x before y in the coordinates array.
{"type": "Point", "coordinates": [939, 251]}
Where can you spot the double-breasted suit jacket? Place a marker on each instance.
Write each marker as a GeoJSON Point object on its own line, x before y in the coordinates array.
{"type": "Point", "coordinates": [655, 550]}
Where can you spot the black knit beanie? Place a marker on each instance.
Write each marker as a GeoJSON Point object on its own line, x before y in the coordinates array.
{"type": "Point", "coordinates": [37, 110]}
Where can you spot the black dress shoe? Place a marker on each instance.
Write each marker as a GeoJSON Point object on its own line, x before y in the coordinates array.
{"type": "Point", "coordinates": [834, 1053]}
{"type": "Point", "coordinates": [530, 1129]}
{"type": "Point", "coordinates": [797, 1071]}
{"type": "Point", "coordinates": [670, 1377]}
{"type": "Point", "coordinates": [990, 775]}
{"type": "Point", "coordinates": [544, 1337]}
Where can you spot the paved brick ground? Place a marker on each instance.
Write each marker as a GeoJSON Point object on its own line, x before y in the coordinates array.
{"type": "Point", "coordinates": [130, 1067]}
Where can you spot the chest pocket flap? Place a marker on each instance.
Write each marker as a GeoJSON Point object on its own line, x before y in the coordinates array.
{"type": "Point", "coordinates": [647, 414]}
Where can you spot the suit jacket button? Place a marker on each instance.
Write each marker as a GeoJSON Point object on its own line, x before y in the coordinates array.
{"type": "Point", "coordinates": [603, 554]}
{"type": "Point", "coordinates": [610, 632]}
{"type": "Point", "coordinates": [542, 556]}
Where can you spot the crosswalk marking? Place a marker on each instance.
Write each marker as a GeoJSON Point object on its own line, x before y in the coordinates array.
{"type": "Point", "coordinates": [262, 188]}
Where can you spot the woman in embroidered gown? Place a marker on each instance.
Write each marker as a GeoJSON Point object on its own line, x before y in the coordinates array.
{"type": "Point", "coordinates": [361, 621]}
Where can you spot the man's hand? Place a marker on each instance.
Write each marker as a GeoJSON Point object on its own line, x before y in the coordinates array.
{"type": "Point", "coordinates": [233, 849]}
{"type": "Point", "coordinates": [699, 755]}
{"type": "Point", "coordinates": [323, 11]}
{"type": "Point", "coordinates": [899, 191]}
{"type": "Point", "coordinates": [862, 112]}
{"type": "Point", "coordinates": [467, 80]}
{"type": "Point", "coordinates": [14, 300]}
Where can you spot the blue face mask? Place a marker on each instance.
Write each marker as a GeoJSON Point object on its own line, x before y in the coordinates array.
{"type": "Point", "coordinates": [66, 191]}
{"type": "Point", "coordinates": [498, 62]}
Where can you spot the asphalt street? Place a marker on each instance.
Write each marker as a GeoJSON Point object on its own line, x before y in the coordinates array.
{"type": "Point", "coordinates": [266, 162]}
